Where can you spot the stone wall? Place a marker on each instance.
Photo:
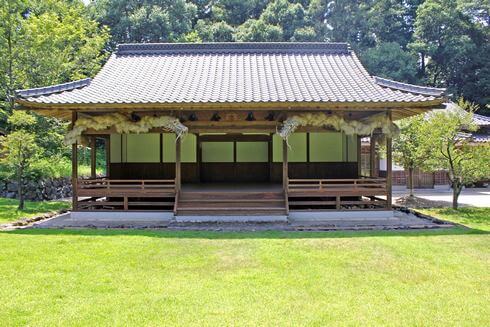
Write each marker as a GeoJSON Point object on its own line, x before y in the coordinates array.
{"type": "Point", "coordinates": [39, 190]}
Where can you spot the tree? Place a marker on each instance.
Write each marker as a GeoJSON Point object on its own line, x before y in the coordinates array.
{"type": "Point", "coordinates": [145, 21]}
{"type": "Point", "coordinates": [387, 20]}
{"type": "Point", "coordinates": [453, 38]}
{"type": "Point", "coordinates": [43, 43]}
{"type": "Point", "coordinates": [256, 30]}
{"type": "Point", "coordinates": [342, 21]}
{"type": "Point", "coordinates": [18, 150]}
{"type": "Point", "coordinates": [389, 60]}
{"type": "Point", "coordinates": [289, 16]}
{"type": "Point", "coordinates": [11, 20]}
{"type": "Point", "coordinates": [47, 43]}
{"type": "Point", "coordinates": [452, 150]}
{"type": "Point", "coordinates": [214, 32]}
{"type": "Point", "coordinates": [408, 149]}
{"type": "Point", "coordinates": [237, 12]}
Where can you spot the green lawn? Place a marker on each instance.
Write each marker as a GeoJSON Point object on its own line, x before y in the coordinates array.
{"type": "Point", "coordinates": [478, 218]}
{"type": "Point", "coordinates": [9, 212]}
{"type": "Point", "coordinates": [131, 277]}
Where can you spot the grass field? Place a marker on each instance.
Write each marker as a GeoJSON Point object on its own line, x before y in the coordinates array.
{"type": "Point", "coordinates": [9, 212]}
{"type": "Point", "coordinates": [131, 277]}
{"type": "Point", "coordinates": [477, 218]}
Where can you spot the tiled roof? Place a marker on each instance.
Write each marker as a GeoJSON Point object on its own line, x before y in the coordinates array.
{"type": "Point", "coordinates": [481, 120]}
{"type": "Point", "coordinates": [231, 73]}
{"type": "Point", "coordinates": [481, 138]}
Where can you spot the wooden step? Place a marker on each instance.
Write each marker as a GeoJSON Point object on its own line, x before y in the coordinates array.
{"type": "Point", "coordinates": [231, 195]}
{"type": "Point", "coordinates": [245, 201]}
{"type": "Point", "coordinates": [231, 209]}
{"type": "Point", "coordinates": [227, 212]}
{"type": "Point", "coordinates": [236, 207]}
{"type": "Point", "coordinates": [231, 203]}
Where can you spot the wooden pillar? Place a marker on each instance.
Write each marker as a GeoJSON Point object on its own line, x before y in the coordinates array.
{"type": "Point", "coordinates": [177, 164]}
{"type": "Point", "coordinates": [372, 156]}
{"type": "Point", "coordinates": [108, 156]}
{"type": "Point", "coordinates": [74, 166]}
{"type": "Point", "coordinates": [93, 157]}
{"type": "Point", "coordinates": [285, 174]}
{"type": "Point", "coordinates": [359, 156]}
{"type": "Point", "coordinates": [389, 174]}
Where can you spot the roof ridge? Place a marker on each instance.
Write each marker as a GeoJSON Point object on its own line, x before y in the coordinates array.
{"type": "Point", "coordinates": [417, 89]}
{"type": "Point", "coordinates": [231, 47]}
{"type": "Point", "coordinates": [53, 88]}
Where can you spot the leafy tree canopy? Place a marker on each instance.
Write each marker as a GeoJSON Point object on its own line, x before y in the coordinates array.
{"type": "Point", "coordinates": [452, 150]}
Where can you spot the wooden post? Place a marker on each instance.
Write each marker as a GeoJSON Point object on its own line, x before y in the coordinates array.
{"type": "Point", "coordinates": [177, 164]}
{"type": "Point", "coordinates": [74, 166]}
{"type": "Point", "coordinates": [285, 174]}
{"type": "Point", "coordinates": [389, 174]}
{"type": "Point", "coordinates": [359, 157]}
{"type": "Point", "coordinates": [93, 157]}
{"type": "Point", "coordinates": [372, 156]}
{"type": "Point", "coordinates": [108, 156]}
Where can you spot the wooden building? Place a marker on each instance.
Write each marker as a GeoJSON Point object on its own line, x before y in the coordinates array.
{"type": "Point", "coordinates": [255, 129]}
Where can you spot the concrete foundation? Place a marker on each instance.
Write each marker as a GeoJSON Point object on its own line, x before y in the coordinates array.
{"type": "Point", "coordinates": [122, 215]}
{"type": "Point", "coordinates": [336, 215]}
{"type": "Point", "coordinates": [230, 219]}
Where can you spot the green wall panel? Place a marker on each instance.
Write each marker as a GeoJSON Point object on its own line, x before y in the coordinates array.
{"type": "Point", "coordinates": [352, 148]}
{"type": "Point", "coordinates": [217, 151]}
{"type": "Point", "coordinates": [276, 148]}
{"type": "Point", "coordinates": [296, 151]}
{"type": "Point", "coordinates": [326, 147]}
{"type": "Point", "coordinates": [116, 140]}
{"type": "Point", "coordinates": [188, 148]}
{"type": "Point", "coordinates": [252, 152]}
{"type": "Point", "coordinates": [143, 147]}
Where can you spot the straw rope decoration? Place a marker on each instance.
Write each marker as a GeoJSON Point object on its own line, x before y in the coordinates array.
{"type": "Point", "coordinates": [349, 127]}
{"type": "Point", "coordinates": [123, 125]}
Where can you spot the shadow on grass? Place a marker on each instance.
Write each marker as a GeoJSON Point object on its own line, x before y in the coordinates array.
{"type": "Point", "coordinates": [277, 234]}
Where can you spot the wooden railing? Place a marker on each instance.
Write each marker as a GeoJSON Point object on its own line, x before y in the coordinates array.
{"type": "Point", "coordinates": [146, 185]}
{"type": "Point", "coordinates": [336, 185]}
{"type": "Point", "coordinates": [338, 193]}
{"type": "Point", "coordinates": [116, 193]}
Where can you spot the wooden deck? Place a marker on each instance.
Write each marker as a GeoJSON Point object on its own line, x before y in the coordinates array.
{"type": "Point", "coordinates": [109, 194]}
{"type": "Point", "coordinates": [337, 194]}
{"type": "Point", "coordinates": [231, 198]}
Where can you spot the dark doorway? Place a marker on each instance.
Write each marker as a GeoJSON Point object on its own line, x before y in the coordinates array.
{"type": "Point", "coordinates": [234, 158]}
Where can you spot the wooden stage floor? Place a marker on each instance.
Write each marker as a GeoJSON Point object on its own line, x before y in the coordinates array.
{"type": "Point", "coordinates": [232, 187]}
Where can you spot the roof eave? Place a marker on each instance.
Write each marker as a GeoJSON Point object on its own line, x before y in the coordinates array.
{"type": "Point", "coordinates": [410, 88]}
{"type": "Point", "coordinates": [52, 89]}
{"type": "Point", "coordinates": [429, 104]}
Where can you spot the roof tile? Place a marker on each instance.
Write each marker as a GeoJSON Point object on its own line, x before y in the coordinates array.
{"type": "Point", "coordinates": [231, 72]}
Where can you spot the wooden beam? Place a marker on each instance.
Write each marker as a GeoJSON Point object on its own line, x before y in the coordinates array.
{"type": "Point", "coordinates": [93, 157]}
{"type": "Point", "coordinates": [389, 173]}
{"type": "Point", "coordinates": [235, 137]}
{"type": "Point", "coordinates": [74, 166]}
{"type": "Point", "coordinates": [285, 173]}
{"type": "Point", "coordinates": [178, 143]}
